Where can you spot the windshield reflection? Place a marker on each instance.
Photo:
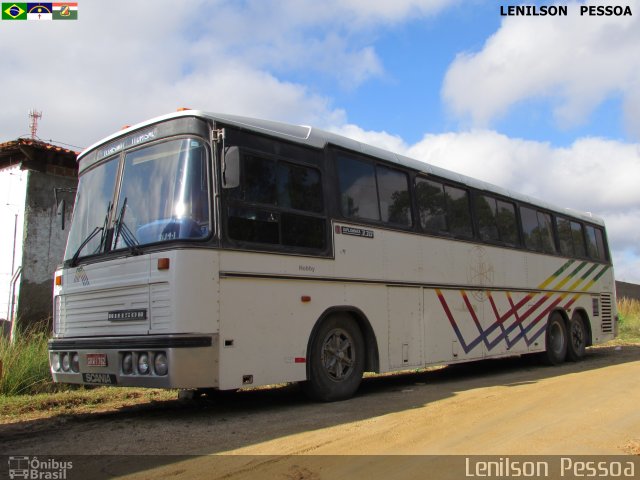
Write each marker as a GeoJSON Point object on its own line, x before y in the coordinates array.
{"type": "Point", "coordinates": [93, 203]}
{"type": "Point", "coordinates": [163, 196]}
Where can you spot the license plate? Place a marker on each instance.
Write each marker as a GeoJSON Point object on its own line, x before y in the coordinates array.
{"type": "Point", "coordinates": [96, 359]}
{"type": "Point", "coordinates": [99, 378]}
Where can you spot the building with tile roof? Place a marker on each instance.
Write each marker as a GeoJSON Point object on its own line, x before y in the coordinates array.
{"type": "Point", "coordinates": [38, 181]}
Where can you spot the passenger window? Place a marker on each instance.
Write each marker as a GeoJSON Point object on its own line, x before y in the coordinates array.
{"type": "Point", "coordinates": [506, 220]}
{"type": "Point", "coordinates": [578, 239]}
{"type": "Point", "coordinates": [250, 224]}
{"type": "Point", "coordinates": [571, 238]}
{"type": "Point", "coordinates": [259, 180]}
{"type": "Point", "coordinates": [537, 231]}
{"type": "Point", "coordinates": [486, 211]}
{"type": "Point", "coordinates": [602, 251]}
{"type": "Point", "coordinates": [432, 208]}
{"type": "Point", "coordinates": [564, 235]}
{"type": "Point", "coordinates": [546, 233]}
{"type": "Point", "coordinates": [443, 208]}
{"type": "Point", "coordinates": [592, 245]}
{"type": "Point", "coordinates": [303, 231]}
{"type": "Point", "coordinates": [395, 202]}
{"type": "Point", "coordinates": [530, 229]}
{"type": "Point", "coordinates": [374, 192]}
{"type": "Point", "coordinates": [458, 211]}
{"type": "Point", "coordinates": [496, 220]}
{"type": "Point", "coordinates": [358, 194]}
{"type": "Point", "coordinates": [299, 188]}
{"type": "Point", "coordinates": [280, 188]}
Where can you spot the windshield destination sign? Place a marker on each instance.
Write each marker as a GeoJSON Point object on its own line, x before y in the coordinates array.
{"type": "Point", "coordinates": [126, 142]}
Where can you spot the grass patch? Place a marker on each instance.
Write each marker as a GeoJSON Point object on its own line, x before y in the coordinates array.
{"type": "Point", "coordinates": [25, 363]}
{"type": "Point", "coordinates": [82, 400]}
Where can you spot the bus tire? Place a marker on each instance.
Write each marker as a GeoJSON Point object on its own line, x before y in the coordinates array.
{"type": "Point", "coordinates": [577, 338]}
{"type": "Point", "coordinates": [336, 360]}
{"type": "Point", "coordinates": [556, 340]}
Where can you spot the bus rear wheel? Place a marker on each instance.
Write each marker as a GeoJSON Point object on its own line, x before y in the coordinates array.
{"type": "Point", "coordinates": [556, 340]}
{"type": "Point", "coordinates": [577, 338]}
{"type": "Point", "coordinates": [336, 360]}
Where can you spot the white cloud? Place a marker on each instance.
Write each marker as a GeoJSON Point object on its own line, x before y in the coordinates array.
{"type": "Point", "coordinates": [132, 60]}
{"type": "Point", "coordinates": [574, 62]}
{"type": "Point", "coordinates": [384, 140]}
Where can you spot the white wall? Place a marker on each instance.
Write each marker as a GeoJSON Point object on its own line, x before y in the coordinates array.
{"type": "Point", "coordinates": [13, 187]}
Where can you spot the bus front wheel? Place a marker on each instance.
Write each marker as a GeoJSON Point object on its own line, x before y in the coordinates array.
{"type": "Point", "coordinates": [336, 360]}
{"type": "Point", "coordinates": [556, 339]}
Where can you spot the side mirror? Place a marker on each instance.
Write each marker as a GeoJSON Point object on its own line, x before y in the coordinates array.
{"type": "Point", "coordinates": [60, 213]}
{"type": "Point", "coordinates": [231, 168]}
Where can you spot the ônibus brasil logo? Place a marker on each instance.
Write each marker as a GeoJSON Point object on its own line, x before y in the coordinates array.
{"type": "Point", "coordinates": [34, 468]}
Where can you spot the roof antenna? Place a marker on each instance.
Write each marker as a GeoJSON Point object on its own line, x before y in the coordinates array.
{"type": "Point", "coordinates": [34, 115]}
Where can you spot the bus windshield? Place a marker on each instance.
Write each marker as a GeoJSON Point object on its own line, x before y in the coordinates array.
{"type": "Point", "coordinates": [163, 196]}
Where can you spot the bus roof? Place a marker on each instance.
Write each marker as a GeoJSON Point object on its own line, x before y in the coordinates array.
{"type": "Point", "coordinates": [318, 138]}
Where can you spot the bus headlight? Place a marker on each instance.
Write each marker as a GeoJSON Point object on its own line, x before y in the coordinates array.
{"type": "Point", "coordinates": [55, 361]}
{"type": "Point", "coordinates": [127, 363]}
{"type": "Point", "coordinates": [75, 362]}
{"type": "Point", "coordinates": [160, 364]}
{"type": "Point", "coordinates": [143, 364]}
{"type": "Point", "coordinates": [66, 362]}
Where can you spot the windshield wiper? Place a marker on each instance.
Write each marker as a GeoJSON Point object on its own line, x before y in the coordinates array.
{"type": "Point", "coordinates": [74, 259]}
{"type": "Point", "coordinates": [127, 235]}
{"type": "Point", "coordinates": [103, 229]}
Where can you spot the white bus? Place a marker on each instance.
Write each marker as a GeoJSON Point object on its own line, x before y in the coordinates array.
{"type": "Point", "coordinates": [214, 251]}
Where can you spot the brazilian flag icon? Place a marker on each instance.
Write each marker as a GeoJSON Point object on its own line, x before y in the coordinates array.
{"type": "Point", "coordinates": [14, 11]}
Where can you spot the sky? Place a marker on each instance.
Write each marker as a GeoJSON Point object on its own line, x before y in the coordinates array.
{"type": "Point", "coordinates": [545, 105]}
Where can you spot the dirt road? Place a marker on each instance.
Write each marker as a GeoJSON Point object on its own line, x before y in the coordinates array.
{"type": "Point", "coordinates": [506, 407]}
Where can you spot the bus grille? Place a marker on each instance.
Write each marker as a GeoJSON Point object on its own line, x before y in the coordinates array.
{"type": "Point", "coordinates": [606, 313]}
{"type": "Point", "coordinates": [87, 313]}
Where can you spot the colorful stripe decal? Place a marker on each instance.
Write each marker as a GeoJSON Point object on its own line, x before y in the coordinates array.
{"type": "Point", "coordinates": [524, 320]}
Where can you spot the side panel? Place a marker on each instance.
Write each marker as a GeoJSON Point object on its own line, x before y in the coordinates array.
{"type": "Point", "coordinates": [267, 319]}
{"type": "Point", "coordinates": [265, 328]}
{"type": "Point", "coordinates": [452, 329]}
{"type": "Point", "coordinates": [428, 300]}
{"type": "Point", "coordinates": [406, 329]}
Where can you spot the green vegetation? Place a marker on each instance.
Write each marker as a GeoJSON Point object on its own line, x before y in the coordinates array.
{"type": "Point", "coordinates": [629, 314]}
{"type": "Point", "coordinates": [78, 401]}
{"type": "Point", "coordinates": [25, 363]}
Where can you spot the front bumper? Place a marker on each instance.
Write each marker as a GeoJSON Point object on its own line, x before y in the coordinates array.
{"type": "Point", "coordinates": [192, 360]}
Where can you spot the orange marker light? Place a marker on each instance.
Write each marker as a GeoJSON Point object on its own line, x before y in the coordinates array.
{"type": "Point", "coordinates": [58, 280]}
{"type": "Point", "coordinates": [163, 264]}
{"type": "Point", "coordinates": [305, 299]}
{"type": "Point", "coordinates": [183, 109]}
